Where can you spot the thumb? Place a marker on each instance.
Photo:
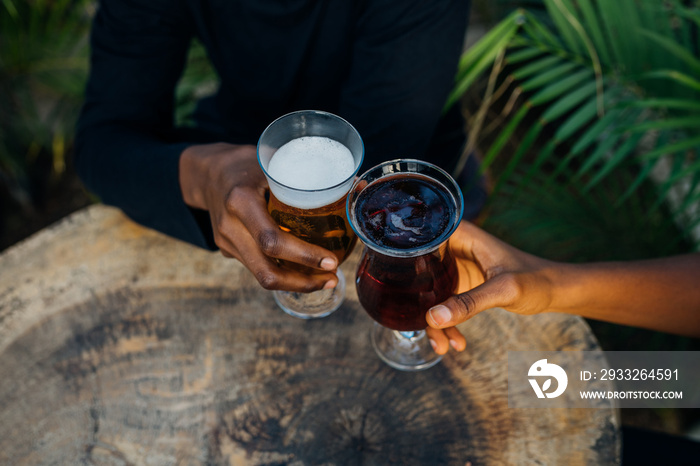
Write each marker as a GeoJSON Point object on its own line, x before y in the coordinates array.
{"type": "Point", "coordinates": [464, 306]}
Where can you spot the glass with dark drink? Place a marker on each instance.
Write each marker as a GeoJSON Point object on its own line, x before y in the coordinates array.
{"type": "Point", "coordinates": [310, 159]}
{"type": "Point", "coordinates": [404, 211]}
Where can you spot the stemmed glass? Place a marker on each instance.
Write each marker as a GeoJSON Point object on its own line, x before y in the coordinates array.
{"type": "Point", "coordinates": [404, 211]}
{"type": "Point", "coordinates": [310, 159]}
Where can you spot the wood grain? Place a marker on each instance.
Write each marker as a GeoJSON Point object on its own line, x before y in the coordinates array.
{"type": "Point", "coordinates": [121, 346]}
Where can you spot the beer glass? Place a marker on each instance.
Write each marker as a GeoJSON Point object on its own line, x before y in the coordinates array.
{"type": "Point", "coordinates": [310, 159]}
{"type": "Point", "coordinates": [404, 211]}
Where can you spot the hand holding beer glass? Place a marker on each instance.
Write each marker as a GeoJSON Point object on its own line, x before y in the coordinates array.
{"type": "Point", "coordinates": [310, 159]}
{"type": "Point", "coordinates": [404, 211]}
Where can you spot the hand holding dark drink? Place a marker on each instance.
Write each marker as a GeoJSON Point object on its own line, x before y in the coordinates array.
{"type": "Point", "coordinates": [404, 211]}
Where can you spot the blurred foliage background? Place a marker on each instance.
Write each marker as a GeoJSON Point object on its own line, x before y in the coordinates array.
{"type": "Point", "coordinates": [585, 115]}
{"type": "Point", "coordinates": [44, 48]}
{"type": "Point", "coordinates": [43, 66]}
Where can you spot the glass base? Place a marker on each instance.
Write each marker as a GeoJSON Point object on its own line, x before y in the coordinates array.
{"type": "Point", "coordinates": [405, 351]}
{"type": "Point", "coordinates": [312, 305]}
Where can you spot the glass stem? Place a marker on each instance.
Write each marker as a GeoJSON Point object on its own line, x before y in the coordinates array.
{"type": "Point", "coordinates": [410, 335]}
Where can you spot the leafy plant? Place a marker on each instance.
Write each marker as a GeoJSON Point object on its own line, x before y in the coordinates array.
{"type": "Point", "coordinates": [602, 100]}
{"type": "Point", "coordinates": [43, 65]}
{"type": "Point", "coordinates": [43, 70]}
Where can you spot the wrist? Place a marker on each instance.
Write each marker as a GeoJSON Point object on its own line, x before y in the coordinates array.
{"type": "Point", "coordinates": [194, 172]}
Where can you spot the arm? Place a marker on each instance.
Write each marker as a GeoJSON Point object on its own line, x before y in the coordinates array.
{"type": "Point", "coordinates": [127, 154]}
{"type": "Point", "coordinates": [659, 294]}
{"type": "Point", "coordinates": [125, 150]}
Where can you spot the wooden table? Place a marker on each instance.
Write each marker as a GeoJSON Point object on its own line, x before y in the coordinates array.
{"type": "Point", "coordinates": [119, 345]}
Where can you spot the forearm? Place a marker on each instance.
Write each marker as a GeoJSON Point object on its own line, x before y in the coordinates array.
{"type": "Point", "coordinates": [127, 151]}
{"type": "Point", "coordinates": [660, 294]}
{"type": "Point", "coordinates": [138, 174]}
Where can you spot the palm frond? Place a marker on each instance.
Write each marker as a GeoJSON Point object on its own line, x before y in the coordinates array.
{"type": "Point", "coordinates": [601, 89]}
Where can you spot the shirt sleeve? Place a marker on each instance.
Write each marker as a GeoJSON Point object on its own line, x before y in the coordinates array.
{"type": "Point", "coordinates": [403, 65]}
{"type": "Point", "coordinates": [125, 150]}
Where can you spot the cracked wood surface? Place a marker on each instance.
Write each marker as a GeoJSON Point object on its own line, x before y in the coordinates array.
{"type": "Point", "coordinates": [121, 346]}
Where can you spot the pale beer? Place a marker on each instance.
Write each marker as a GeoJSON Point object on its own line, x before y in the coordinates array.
{"type": "Point", "coordinates": [313, 163]}
{"type": "Point", "coordinates": [310, 159]}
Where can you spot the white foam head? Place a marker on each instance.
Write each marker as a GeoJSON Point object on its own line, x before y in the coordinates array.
{"type": "Point", "coordinates": [314, 167]}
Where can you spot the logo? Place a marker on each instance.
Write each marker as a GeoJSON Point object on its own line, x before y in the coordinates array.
{"type": "Point", "coordinates": [542, 368]}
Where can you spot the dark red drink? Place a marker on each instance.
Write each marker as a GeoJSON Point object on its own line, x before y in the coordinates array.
{"type": "Point", "coordinates": [406, 212]}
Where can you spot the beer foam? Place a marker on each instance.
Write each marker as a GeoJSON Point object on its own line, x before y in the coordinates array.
{"type": "Point", "coordinates": [311, 163]}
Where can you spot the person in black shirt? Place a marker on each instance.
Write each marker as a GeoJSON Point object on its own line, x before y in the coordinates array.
{"type": "Point", "coordinates": [385, 66]}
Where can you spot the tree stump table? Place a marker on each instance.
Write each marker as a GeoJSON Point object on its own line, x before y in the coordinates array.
{"type": "Point", "coordinates": [120, 346]}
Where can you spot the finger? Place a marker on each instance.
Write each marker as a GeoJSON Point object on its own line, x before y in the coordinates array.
{"type": "Point", "coordinates": [251, 209]}
{"type": "Point", "coordinates": [438, 340]}
{"type": "Point", "coordinates": [457, 340]}
{"type": "Point", "coordinates": [267, 271]}
{"type": "Point", "coordinates": [273, 277]}
{"type": "Point", "coordinates": [497, 292]}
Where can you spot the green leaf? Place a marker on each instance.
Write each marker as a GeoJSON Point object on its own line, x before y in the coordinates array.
{"type": "Point", "coordinates": [558, 88]}
{"type": "Point", "coordinates": [692, 196]}
{"type": "Point", "coordinates": [672, 75]}
{"type": "Point", "coordinates": [632, 188]}
{"type": "Point", "coordinates": [602, 148]}
{"type": "Point", "coordinates": [679, 146]}
{"type": "Point", "coordinates": [523, 54]}
{"type": "Point", "coordinates": [616, 35]}
{"type": "Point", "coordinates": [481, 56]}
{"type": "Point", "coordinates": [595, 29]}
{"type": "Point", "coordinates": [482, 64]}
{"type": "Point", "coordinates": [668, 184]}
{"type": "Point", "coordinates": [523, 148]}
{"type": "Point", "coordinates": [684, 172]}
{"type": "Point", "coordinates": [692, 15]}
{"type": "Point", "coordinates": [557, 10]}
{"type": "Point", "coordinates": [503, 137]}
{"type": "Point", "coordinates": [601, 126]}
{"type": "Point", "coordinates": [540, 35]}
{"type": "Point", "coordinates": [536, 67]}
{"type": "Point", "coordinates": [569, 101]}
{"type": "Point", "coordinates": [11, 8]}
{"type": "Point", "coordinates": [676, 104]}
{"type": "Point", "coordinates": [674, 48]}
{"type": "Point", "coordinates": [547, 76]}
{"type": "Point", "coordinates": [575, 122]}
{"type": "Point", "coordinates": [492, 41]}
{"type": "Point", "coordinates": [625, 149]}
{"type": "Point", "coordinates": [669, 123]}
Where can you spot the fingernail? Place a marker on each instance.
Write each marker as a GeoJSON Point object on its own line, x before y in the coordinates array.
{"type": "Point", "coordinates": [454, 344]}
{"type": "Point", "coordinates": [433, 344]}
{"type": "Point", "coordinates": [440, 314]}
{"type": "Point", "coordinates": [328, 263]}
{"type": "Point", "coordinates": [329, 284]}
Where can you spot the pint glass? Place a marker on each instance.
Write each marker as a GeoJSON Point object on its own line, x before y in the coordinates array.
{"type": "Point", "coordinates": [310, 159]}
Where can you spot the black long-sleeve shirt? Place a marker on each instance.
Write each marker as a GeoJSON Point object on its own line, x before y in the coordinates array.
{"type": "Point", "coordinates": [384, 65]}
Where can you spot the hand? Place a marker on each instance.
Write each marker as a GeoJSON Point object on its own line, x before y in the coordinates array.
{"type": "Point", "coordinates": [227, 181]}
{"type": "Point", "coordinates": [659, 294]}
{"type": "Point", "coordinates": [491, 274]}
